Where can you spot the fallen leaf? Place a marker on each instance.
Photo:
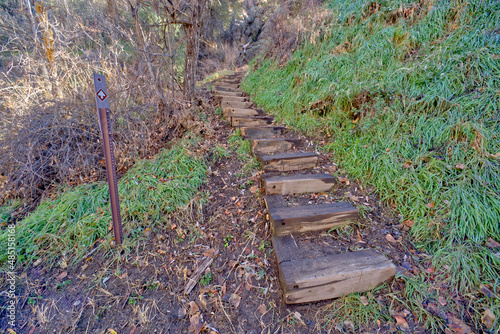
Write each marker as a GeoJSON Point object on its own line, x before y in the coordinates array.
{"type": "Point", "coordinates": [492, 243]}
{"type": "Point", "coordinates": [488, 318]}
{"type": "Point", "coordinates": [390, 238]}
{"type": "Point", "coordinates": [460, 166]}
{"type": "Point", "coordinates": [62, 275]}
{"type": "Point", "coordinates": [147, 232]}
{"type": "Point", "coordinates": [193, 308]}
{"type": "Point", "coordinates": [486, 291]}
{"type": "Point", "coordinates": [409, 223]}
{"type": "Point", "coordinates": [235, 300]}
{"type": "Point", "coordinates": [195, 326]}
{"type": "Point", "coordinates": [495, 155]}
{"type": "Point", "coordinates": [400, 321]}
{"type": "Point", "coordinates": [344, 180]}
{"type": "Point", "coordinates": [364, 300]}
{"type": "Point", "coordinates": [351, 196]}
{"type": "Point", "coordinates": [430, 205]}
{"type": "Point", "coordinates": [111, 331]}
{"type": "Point", "coordinates": [406, 165]}
{"type": "Point", "coordinates": [442, 301]}
{"type": "Point", "coordinates": [210, 252]}
{"type": "Point", "coordinates": [430, 270]}
{"type": "Point", "coordinates": [457, 326]}
{"type": "Point", "coordinates": [262, 309]}
{"type": "Point", "coordinates": [349, 325]}
{"type": "Point", "coordinates": [298, 317]}
{"type": "Point", "coordinates": [253, 189]}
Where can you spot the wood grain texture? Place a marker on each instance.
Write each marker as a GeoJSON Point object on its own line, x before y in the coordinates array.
{"type": "Point", "coordinates": [273, 145]}
{"type": "Point", "coordinates": [311, 217]}
{"type": "Point", "coordinates": [282, 162]}
{"type": "Point", "coordinates": [221, 94]}
{"type": "Point", "coordinates": [297, 184]}
{"type": "Point", "coordinates": [261, 132]}
{"type": "Point", "coordinates": [274, 202]}
{"type": "Point", "coordinates": [286, 249]}
{"type": "Point", "coordinates": [235, 104]}
{"type": "Point", "coordinates": [224, 89]}
{"type": "Point", "coordinates": [234, 99]}
{"type": "Point", "coordinates": [333, 276]}
{"type": "Point", "coordinates": [239, 121]}
{"type": "Point", "coordinates": [234, 112]}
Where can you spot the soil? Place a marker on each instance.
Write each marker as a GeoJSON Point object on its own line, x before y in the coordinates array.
{"type": "Point", "coordinates": [143, 291]}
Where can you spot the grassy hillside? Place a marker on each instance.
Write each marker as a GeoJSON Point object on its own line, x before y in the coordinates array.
{"type": "Point", "coordinates": [65, 228]}
{"type": "Point", "coordinates": [408, 94]}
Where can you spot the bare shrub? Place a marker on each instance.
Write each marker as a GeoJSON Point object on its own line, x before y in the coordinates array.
{"type": "Point", "coordinates": [49, 130]}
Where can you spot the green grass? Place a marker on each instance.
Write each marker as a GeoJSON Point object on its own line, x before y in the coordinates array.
{"type": "Point", "coordinates": [361, 309]}
{"type": "Point", "coordinates": [404, 103]}
{"type": "Point", "coordinates": [243, 153]}
{"type": "Point", "coordinates": [70, 225]}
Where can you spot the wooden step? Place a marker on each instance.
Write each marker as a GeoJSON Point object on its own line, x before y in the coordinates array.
{"type": "Point", "coordinates": [238, 121]}
{"type": "Point", "coordinates": [234, 99]}
{"type": "Point", "coordinates": [224, 89]}
{"type": "Point", "coordinates": [282, 162]}
{"type": "Point", "coordinates": [234, 112]}
{"type": "Point", "coordinates": [313, 279]}
{"type": "Point", "coordinates": [272, 145]}
{"type": "Point", "coordinates": [261, 132]}
{"type": "Point", "coordinates": [221, 94]}
{"type": "Point", "coordinates": [297, 184]}
{"type": "Point", "coordinates": [299, 219]}
{"type": "Point", "coordinates": [230, 80]}
{"type": "Point", "coordinates": [235, 104]}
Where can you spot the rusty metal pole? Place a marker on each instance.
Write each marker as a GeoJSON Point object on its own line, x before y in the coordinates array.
{"type": "Point", "coordinates": [101, 97]}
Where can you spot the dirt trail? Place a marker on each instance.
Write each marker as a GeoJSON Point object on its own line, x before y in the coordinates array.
{"type": "Point", "coordinates": [239, 292]}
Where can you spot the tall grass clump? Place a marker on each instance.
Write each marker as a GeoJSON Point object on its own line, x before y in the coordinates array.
{"type": "Point", "coordinates": [69, 225]}
{"type": "Point", "coordinates": [408, 93]}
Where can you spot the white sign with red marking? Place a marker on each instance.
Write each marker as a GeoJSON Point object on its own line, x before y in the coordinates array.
{"type": "Point", "coordinates": [100, 94]}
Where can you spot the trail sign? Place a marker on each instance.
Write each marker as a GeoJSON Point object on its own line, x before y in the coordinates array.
{"type": "Point", "coordinates": [102, 102]}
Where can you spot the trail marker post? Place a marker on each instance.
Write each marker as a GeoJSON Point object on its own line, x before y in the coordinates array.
{"type": "Point", "coordinates": [101, 98]}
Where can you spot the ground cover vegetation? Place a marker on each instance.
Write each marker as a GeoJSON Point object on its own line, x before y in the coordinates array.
{"type": "Point", "coordinates": [408, 94]}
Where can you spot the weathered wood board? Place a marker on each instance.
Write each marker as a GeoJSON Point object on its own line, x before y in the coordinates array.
{"type": "Point", "coordinates": [333, 276]}
{"type": "Point", "coordinates": [283, 162]}
{"type": "Point", "coordinates": [224, 89]}
{"type": "Point", "coordinates": [272, 145]}
{"type": "Point", "coordinates": [234, 99]}
{"type": "Point", "coordinates": [221, 94]}
{"type": "Point", "coordinates": [261, 132]}
{"type": "Point", "coordinates": [239, 121]}
{"type": "Point", "coordinates": [235, 104]}
{"type": "Point", "coordinates": [297, 184]}
{"type": "Point", "coordinates": [234, 112]}
{"type": "Point", "coordinates": [299, 219]}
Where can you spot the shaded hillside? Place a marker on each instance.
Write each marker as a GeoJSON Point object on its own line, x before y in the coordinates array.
{"type": "Point", "coordinates": [408, 95]}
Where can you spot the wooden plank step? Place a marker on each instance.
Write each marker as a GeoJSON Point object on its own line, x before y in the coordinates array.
{"type": "Point", "coordinates": [235, 104]}
{"type": "Point", "coordinates": [262, 132]}
{"type": "Point", "coordinates": [314, 279]}
{"type": "Point", "coordinates": [224, 89]}
{"type": "Point", "coordinates": [297, 184]}
{"type": "Point", "coordinates": [282, 162]}
{"type": "Point", "coordinates": [221, 94]}
{"type": "Point", "coordinates": [234, 99]}
{"type": "Point", "coordinates": [238, 121]}
{"type": "Point", "coordinates": [233, 112]}
{"type": "Point", "coordinates": [272, 145]}
{"type": "Point", "coordinates": [299, 219]}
